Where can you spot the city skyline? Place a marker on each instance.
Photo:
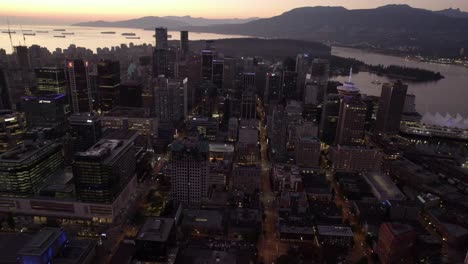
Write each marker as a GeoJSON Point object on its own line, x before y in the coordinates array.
{"type": "Point", "coordinates": [54, 11]}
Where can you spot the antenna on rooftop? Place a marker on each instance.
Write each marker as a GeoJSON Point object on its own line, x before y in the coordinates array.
{"type": "Point", "coordinates": [350, 79]}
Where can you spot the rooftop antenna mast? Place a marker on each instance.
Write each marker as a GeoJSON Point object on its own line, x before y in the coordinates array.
{"type": "Point", "coordinates": [350, 79]}
{"type": "Point", "coordinates": [24, 37]}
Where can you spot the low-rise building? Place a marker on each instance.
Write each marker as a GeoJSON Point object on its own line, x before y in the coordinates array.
{"type": "Point", "coordinates": [355, 158]}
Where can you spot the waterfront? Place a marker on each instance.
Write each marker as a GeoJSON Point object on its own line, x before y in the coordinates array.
{"type": "Point", "coordinates": [89, 37]}
{"type": "Point", "coordinates": [446, 95]}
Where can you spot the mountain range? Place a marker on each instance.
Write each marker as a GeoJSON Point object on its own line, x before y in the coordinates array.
{"type": "Point", "coordinates": [171, 22]}
{"type": "Point", "coordinates": [390, 27]}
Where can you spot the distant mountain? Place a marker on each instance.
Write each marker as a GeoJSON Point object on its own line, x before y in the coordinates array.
{"type": "Point", "coordinates": [171, 22]}
{"type": "Point", "coordinates": [451, 12]}
{"type": "Point", "coordinates": [387, 27]}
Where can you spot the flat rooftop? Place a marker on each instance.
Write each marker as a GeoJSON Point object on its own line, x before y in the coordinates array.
{"type": "Point", "coordinates": [129, 112]}
{"type": "Point", "coordinates": [105, 149]}
{"type": "Point", "coordinates": [41, 242]}
{"type": "Point", "coordinates": [210, 219]}
{"type": "Point", "coordinates": [11, 244]}
{"type": "Point", "coordinates": [22, 153]}
{"type": "Point", "coordinates": [384, 186]}
{"type": "Point", "coordinates": [218, 147]}
{"type": "Point", "coordinates": [342, 231]}
{"type": "Point", "coordinates": [156, 229]}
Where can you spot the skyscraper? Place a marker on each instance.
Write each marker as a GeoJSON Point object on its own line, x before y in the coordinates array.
{"type": "Point", "coordinates": [319, 74]}
{"type": "Point", "coordinates": [108, 82]}
{"type": "Point", "coordinates": [49, 111]}
{"type": "Point", "coordinates": [79, 86]}
{"type": "Point", "coordinates": [278, 131]}
{"type": "Point", "coordinates": [160, 53]}
{"type": "Point", "coordinates": [188, 169]}
{"type": "Point", "coordinates": [248, 105]}
{"type": "Point", "coordinates": [273, 88]}
{"type": "Point", "coordinates": [248, 81]}
{"type": "Point", "coordinates": [12, 128]}
{"type": "Point", "coordinates": [103, 171]}
{"type": "Point", "coordinates": [351, 121]}
{"type": "Point", "coordinates": [290, 85]}
{"type": "Point", "coordinates": [184, 43]}
{"type": "Point", "coordinates": [51, 80]}
{"type": "Point", "coordinates": [22, 57]}
{"type": "Point", "coordinates": [85, 130]}
{"type": "Point", "coordinates": [24, 169]}
{"type": "Point", "coordinates": [218, 72]}
{"type": "Point", "coordinates": [170, 99]}
{"type": "Point", "coordinates": [207, 65]}
{"type": "Point", "coordinates": [329, 118]}
{"type": "Point", "coordinates": [392, 101]}
{"type": "Point", "coordinates": [131, 94]}
{"type": "Point", "coordinates": [5, 99]}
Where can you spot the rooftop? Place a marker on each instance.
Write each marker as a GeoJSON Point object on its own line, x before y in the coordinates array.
{"type": "Point", "coordinates": [129, 112]}
{"type": "Point", "coordinates": [26, 151]}
{"type": "Point", "coordinates": [42, 241]}
{"type": "Point", "coordinates": [335, 231]}
{"type": "Point", "coordinates": [218, 147]}
{"type": "Point", "coordinates": [156, 229]}
{"type": "Point", "coordinates": [383, 187]}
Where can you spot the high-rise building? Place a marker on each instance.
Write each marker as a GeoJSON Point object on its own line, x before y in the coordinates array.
{"type": "Point", "coordinates": [170, 99]}
{"type": "Point", "coordinates": [290, 85]}
{"type": "Point", "coordinates": [5, 99]}
{"type": "Point", "coordinates": [246, 177]}
{"type": "Point", "coordinates": [49, 111]}
{"type": "Point", "coordinates": [131, 94]}
{"type": "Point", "coordinates": [188, 169]}
{"type": "Point", "coordinates": [85, 130]}
{"type": "Point", "coordinates": [248, 105]}
{"type": "Point", "coordinates": [12, 128]}
{"type": "Point", "coordinates": [207, 65]}
{"type": "Point", "coordinates": [79, 86]}
{"type": "Point", "coordinates": [307, 152]}
{"type": "Point", "coordinates": [25, 169]}
{"type": "Point", "coordinates": [160, 53]}
{"type": "Point", "coordinates": [396, 242]}
{"type": "Point", "coordinates": [104, 170]}
{"type": "Point", "coordinates": [131, 118]}
{"type": "Point", "coordinates": [329, 118]}
{"type": "Point", "coordinates": [319, 74]}
{"type": "Point", "coordinates": [273, 90]}
{"type": "Point", "coordinates": [218, 72]}
{"type": "Point", "coordinates": [51, 80]}
{"type": "Point", "coordinates": [303, 64]}
{"type": "Point", "coordinates": [229, 73]}
{"type": "Point", "coordinates": [184, 43]}
{"type": "Point", "coordinates": [392, 101]}
{"type": "Point", "coordinates": [248, 81]}
{"type": "Point", "coordinates": [161, 38]}
{"type": "Point", "coordinates": [203, 126]}
{"type": "Point", "coordinates": [351, 122]}
{"type": "Point", "coordinates": [22, 57]}
{"type": "Point", "coordinates": [108, 84]}
{"type": "Point", "coordinates": [279, 132]}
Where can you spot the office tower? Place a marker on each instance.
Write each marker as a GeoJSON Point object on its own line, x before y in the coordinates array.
{"type": "Point", "coordinates": [351, 122]}
{"type": "Point", "coordinates": [246, 177]}
{"type": "Point", "coordinates": [25, 169]}
{"type": "Point", "coordinates": [184, 43]}
{"type": "Point", "coordinates": [173, 58]}
{"type": "Point", "coordinates": [273, 89]}
{"type": "Point", "coordinates": [355, 158]}
{"type": "Point", "coordinates": [203, 126]}
{"type": "Point", "coordinates": [289, 88]}
{"type": "Point", "coordinates": [311, 91]}
{"type": "Point", "coordinates": [395, 243]}
{"type": "Point", "coordinates": [329, 118]}
{"type": "Point", "coordinates": [5, 99]}
{"type": "Point", "coordinates": [410, 104]}
{"type": "Point", "coordinates": [319, 74]}
{"type": "Point", "coordinates": [161, 38]}
{"type": "Point", "coordinates": [207, 65]}
{"type": "Point", "coordinates": [22, 57]}
{"type": "Point", "coordinates": [108, 84]}
{"type": "Point", "coordinates": [49, 111]}
{"type": "Point", "coordinates": [85, 130]}
{"type": "Point", "coordinates": [218, 71]}
{"type": "Point", "coordinates": [169, 96]}
{"type": "Point", "coordinates": [131, 94]}
{"type": "Point", "coordinates": [79, 86]}
{"type": "Point", "coordinates": [188, 170]}
{"type": "Point", "coordinates": [131, 118]}
{"type": "Point", "coordinates": [160, 53]}
{"type": "Point", "coordinates": [229, 73]}
{"type": "Point", "coordinates": [248, 105]}
{"type": "Point", "coordinates": [303, 64]}
{"type": "Point", "coordinates": [104, 170]}
{"type": "Point", "coordinates": [248, 81]}
{"type": "Point", "coordinates": [392, 101]}
{"type": "Point", "coordinates": [307, 152]}
{"type": "Point", "coordinates": [51, 81]}
{"type": "Point", "coordinates": [278, 132]}
{"type": "Point", "coordinates": [12, 128]}
{"type": "Point", "coordinates": [233, 129]}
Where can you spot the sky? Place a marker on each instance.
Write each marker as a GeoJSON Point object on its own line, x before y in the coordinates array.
{"type": "Point", "coordinates": [71, 11]}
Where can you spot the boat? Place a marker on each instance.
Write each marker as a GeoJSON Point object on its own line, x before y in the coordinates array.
{"type": "Point", "coordinates": [128, 34]}
{"type": "Point", "coordinates": [132, 37]}
{"type": "Point", "coordinates": [42, 31]}
{"type": "Point", "coordinates": [59, 29]}
{"type": "Point", "coordinates": [70, 33]}
{"type": "Point", "coordinates": [108, 32]}
{"type": "Point", "coordinates": [29, 34]}
{"type": "Point", "coordinates": [9, 32]}
{"type": "Point", "coordinates": [60, 36]}
{"type": "Point", "coordinates": [376, 82]}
